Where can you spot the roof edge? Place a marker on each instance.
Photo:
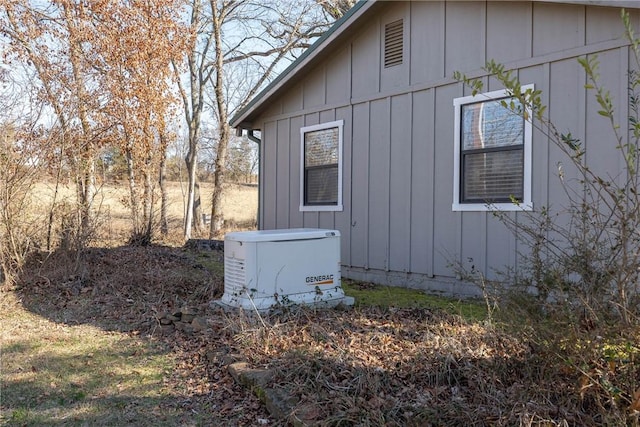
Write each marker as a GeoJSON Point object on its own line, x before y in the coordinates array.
{"type": "Point", "coordinates": [335, 30]}
{"type": "Point", "coordinates": [239, 119]}
{"type": "Point", "coordinates": [628, 4]}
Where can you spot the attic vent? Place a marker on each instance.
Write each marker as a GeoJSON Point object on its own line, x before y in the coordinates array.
{"type": "Point", "coordinates": [393, 43]}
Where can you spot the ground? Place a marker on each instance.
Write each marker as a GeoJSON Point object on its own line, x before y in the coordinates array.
{"type": "Point", "coordinates": [92, 345]}
{"type": "Point", "coordinates": [87, 349]}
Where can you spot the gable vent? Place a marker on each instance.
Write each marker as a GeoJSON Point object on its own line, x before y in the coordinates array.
{"type": "Point", "coordinates": [393, 43]}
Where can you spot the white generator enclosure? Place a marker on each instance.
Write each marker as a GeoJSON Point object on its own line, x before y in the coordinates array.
{"type": "Point", "coordinates": [267, 268]}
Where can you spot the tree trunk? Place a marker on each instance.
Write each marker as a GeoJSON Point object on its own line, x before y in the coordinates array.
{"type": "Point", "coordinates": [147, 203]}
{"type": "Point", "coordinates": [162, 181]}
{"type": "Point", "coordinates": [191, 161]}
{"type": "Point", "coordinates": [86, 156]}
{"type": "Point", "coordinates": [193, 105]}
{"type": "Point", "coordinates": [198, 223]}
{"type": "Point", "coordinates": [134, 200]}
{"type": "Point", "coordinates": [217, 217]}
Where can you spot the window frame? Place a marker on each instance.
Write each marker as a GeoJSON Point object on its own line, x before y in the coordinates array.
{"type": "Point", "coordinates": [306, 129]}
{"type": "Point", "coordinates": [526, 204]}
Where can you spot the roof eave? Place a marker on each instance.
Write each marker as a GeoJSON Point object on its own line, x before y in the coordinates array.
{"type": "Point", "coordinates": [629, 4]}
{"type": "Point", "coordinates": [242, 118]}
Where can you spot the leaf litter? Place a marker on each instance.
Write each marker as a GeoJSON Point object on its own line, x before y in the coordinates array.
{"type": "Point", "coordinates": [366, 366]}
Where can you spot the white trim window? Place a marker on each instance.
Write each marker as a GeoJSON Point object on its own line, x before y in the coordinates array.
{"type": "Point", "coordinates": [492, 155]}
{"type": "Point", "coordinates": [321, 167]}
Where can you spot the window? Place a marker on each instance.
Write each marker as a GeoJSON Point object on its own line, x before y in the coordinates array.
{"type": "Point", "coordinates": [393, 43]}
{"type": "Point", "coordinates": [321, 167]}
{"type": "Point", "coordinates": [492, 168]}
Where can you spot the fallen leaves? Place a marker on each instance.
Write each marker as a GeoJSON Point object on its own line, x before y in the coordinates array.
{"type": "Point", "coordinates": [369, 366]}
{"type": "Point", "coordinates": [635, 402]}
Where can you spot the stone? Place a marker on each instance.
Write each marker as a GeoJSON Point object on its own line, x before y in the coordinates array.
{"type": "Point", "coordinates": [173, 318]}
{"type": "Point", "coordinates": [188, 314]}
{"type": "Point", "coordinates": [244, 374]}
{"type": "Point", "coordinates": [279, 402]}
{"type": "Point", "coordinates": [188, 310]}
{"type": "Point", "coordinates": [230, 358]}
{"type": "Point", "coordinates": [187, 318]}
{"type": "Point", "coordinates": [199, 323]}
{"type": "Point", "coordinates": [205, 244]}
{"type": "Point", "coordinates": [212, 355]}
{"type": "Point", "coordinates": [165, 321]}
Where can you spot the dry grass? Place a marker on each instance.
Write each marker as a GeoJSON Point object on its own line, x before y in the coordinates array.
{"type": "Point", "coordinates": [62, 374]}
{"type": "Point", "coordinates": [424, 367]}
{"type": "Point", "coordinates": [240, 207]}
{"type": "Point", "coordinates": [86, 349]}
{"type": "Point", "coordinates": [397, 367]}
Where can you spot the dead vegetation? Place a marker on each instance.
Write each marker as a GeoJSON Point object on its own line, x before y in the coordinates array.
{"type": "Point", "coordinates": [399, 367]}
{"type": "Point", "coordinates": [86, 348]}
{"type": "Point", "coordinates": [369, 366]}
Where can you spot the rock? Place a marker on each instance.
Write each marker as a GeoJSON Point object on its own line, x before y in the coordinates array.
{"type": "Point", "coordinates": [188, 310]}
{"type": "Point", "coordinates": [205, 244]}
{"type": "Point", "coordinates": [187, 318]}
{"type": "Point", "coordinates": [173, 318]}
{"type": "Point", "coordinates": [212, 355]}
{"type": "Point", "coordinates": [230, 358]}
{"type": "Point", "coordinates": [279, 403]}
{"type": "Point", "coordinates": [164, 321]}
{"type": "Point", "coordinates": [188, 313]}
{"type": "Point", "coordinates": [244, 374]}
{"type": "Point", "coordinates": [199, 323]}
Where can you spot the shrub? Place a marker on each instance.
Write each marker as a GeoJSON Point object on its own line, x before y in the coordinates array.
{"type": "Point", "coordinates": [575, 296]}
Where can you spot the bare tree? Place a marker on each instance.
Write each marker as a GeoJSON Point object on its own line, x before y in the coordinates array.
{"type": "Point", "coordinates": [23, 159]}
{"type": "Point", "coordinates": [103, 69]}
{"type": "Point", "coordinates": [256, 39]}
{"type": "Point", "coordinates": [247, 39]}
{"type": "Point", "coordinates": [242, 160]}
{"type": "Point", "coordinates": [199, 71]}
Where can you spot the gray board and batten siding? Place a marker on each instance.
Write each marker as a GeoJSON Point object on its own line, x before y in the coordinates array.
{"type": "Point", "coordinates": [397, 222]}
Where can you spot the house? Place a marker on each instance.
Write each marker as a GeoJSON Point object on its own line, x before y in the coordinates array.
{"type": "Point", "coordinates": [367, 131]}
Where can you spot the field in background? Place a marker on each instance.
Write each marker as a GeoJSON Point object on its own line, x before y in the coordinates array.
{"type": "Point", "coordinates": [240, 206]}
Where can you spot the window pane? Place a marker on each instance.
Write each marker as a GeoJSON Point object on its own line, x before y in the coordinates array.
{"type": "Point", "coordinates": [489, 124]}
{"type": "Point", "coordinates": [321, 147]}
{"type": "Point", "coordinates": [321, 186]}
{"type": "Point", "coordinates": [492, 176]}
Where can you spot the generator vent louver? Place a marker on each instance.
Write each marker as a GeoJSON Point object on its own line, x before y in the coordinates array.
{"type": "Point", "coordinates": [234, 273]}
{"type": "Point", "coordinates": [393, 43]}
